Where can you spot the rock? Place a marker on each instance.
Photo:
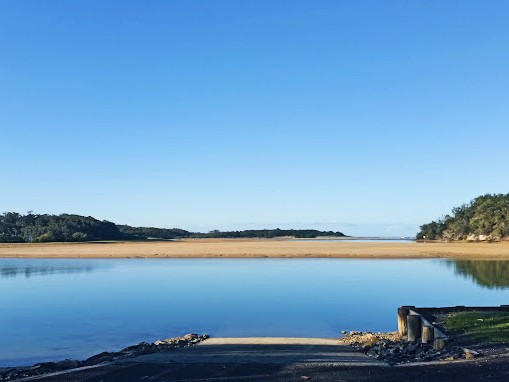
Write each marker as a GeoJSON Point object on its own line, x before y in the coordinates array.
{"type": "Point", "coordinates": [99, 358]}
{"type": "Point", "coordinates": [389, 348]}
{"type": "Point", "coordinates": [469, 354]}
{"type": "Point", "coordinates": [412, 348]}
{"type": "Point", "coordinates": [343, 332]}
{"type": "Point", "coordinates": [371, 339]}
{"type": "Point", "coordinates": [44, 365]}
{"type": "Point", "coordinates": [67, 364]}
{"type": "Point", "coordinates": [137, 347]}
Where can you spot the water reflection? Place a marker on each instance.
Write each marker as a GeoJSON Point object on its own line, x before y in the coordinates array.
{"type": "Point", "coordinates": [10, 271]}
{"type": "Point", "coordinates": [492, 274]}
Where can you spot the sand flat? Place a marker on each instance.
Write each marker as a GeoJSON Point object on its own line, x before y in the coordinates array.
{"type": "Point", "coordinates": [256, 248]}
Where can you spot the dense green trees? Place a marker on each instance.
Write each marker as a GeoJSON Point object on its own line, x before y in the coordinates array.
{"type": "Point", "coordinates": [141, 233]}
{"type": "Point", "coordinates": [18, 228]}
{"type": "Point", "coordinates": [271, 233]}
{"type": "Point", "coordinates": [485, 218]}
{"type": "Point", "coordinates": [15, 227]}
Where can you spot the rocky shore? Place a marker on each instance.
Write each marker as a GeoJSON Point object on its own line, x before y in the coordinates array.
{"type": "Point", "coordinates": [38, 369]}
{"type": "Point", "coordinates": [390, 348]}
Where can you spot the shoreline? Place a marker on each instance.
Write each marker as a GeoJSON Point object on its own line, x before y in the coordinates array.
{"type": "Point", "coordinates": [256, 248]}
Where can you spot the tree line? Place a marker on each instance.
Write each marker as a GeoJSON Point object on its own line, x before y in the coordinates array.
{"type": "Point", "coordinates": [18, 228]}
{"type": "Point", "coordinates": [40, 228]}
{"type": "Point", "coordinates": [271, 233]}
{"type": "Point", "coordinates": [484, 218]}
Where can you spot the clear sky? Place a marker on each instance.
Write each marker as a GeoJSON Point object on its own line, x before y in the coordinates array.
{"type": "Point", "coordinates": [369, 117]}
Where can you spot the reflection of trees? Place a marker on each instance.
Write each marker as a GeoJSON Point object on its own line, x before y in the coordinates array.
{"type": "Point", "coordinates": [43, 270]}
{"type": "Point", "coordinates": [490, 274]}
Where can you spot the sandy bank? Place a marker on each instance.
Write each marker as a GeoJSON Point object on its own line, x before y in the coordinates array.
{"type": "Point", "coordinates": [213, 248]}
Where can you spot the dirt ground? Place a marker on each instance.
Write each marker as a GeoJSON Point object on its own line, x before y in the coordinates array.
{"type": "Point", "coordinates": [257, 248]}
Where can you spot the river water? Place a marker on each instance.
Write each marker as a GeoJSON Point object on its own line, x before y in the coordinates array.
{"type": "Point", "coordinates": [56, 309]}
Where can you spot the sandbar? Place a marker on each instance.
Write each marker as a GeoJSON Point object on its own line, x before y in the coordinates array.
{"type": "Point", "coordinates": [257, 248]}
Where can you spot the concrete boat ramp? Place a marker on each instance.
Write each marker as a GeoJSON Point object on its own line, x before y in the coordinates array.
{"type": "Point", "coordinates": [229, 359]}
{"type": "Point", "coordinates": [275, 360]}
{"type": "Point", "coordinates": [263, 350]}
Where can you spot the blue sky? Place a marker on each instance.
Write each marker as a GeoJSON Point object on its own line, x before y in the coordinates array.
{"type": "Point", "coordinates": [370, 117]}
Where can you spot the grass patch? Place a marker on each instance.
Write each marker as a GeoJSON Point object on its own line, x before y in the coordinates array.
{"type": "Point", "coordinates": [480, 326]}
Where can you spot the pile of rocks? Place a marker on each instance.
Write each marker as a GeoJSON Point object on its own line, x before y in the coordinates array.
{"type": "Point", "coordinates": [178, 342]}
{"type": "Point", "coordinates": [130, 351]}
{"type": "Point", "coordinates": [388, 347]}
{"type": "Point", "coordinates": [368, 338]}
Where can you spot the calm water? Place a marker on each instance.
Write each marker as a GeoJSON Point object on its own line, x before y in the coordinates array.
{"type": "Point", "coordinates": [55, 309]}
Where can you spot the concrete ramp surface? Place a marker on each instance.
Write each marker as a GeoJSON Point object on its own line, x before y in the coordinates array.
{"type": "Point", "coordinates": [277, 360]}
{"type": "Point", "coordinates": [263, 350]}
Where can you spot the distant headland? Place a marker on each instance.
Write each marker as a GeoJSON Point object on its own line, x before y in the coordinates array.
{"type": "Point", "coordinates": [486, 218]}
